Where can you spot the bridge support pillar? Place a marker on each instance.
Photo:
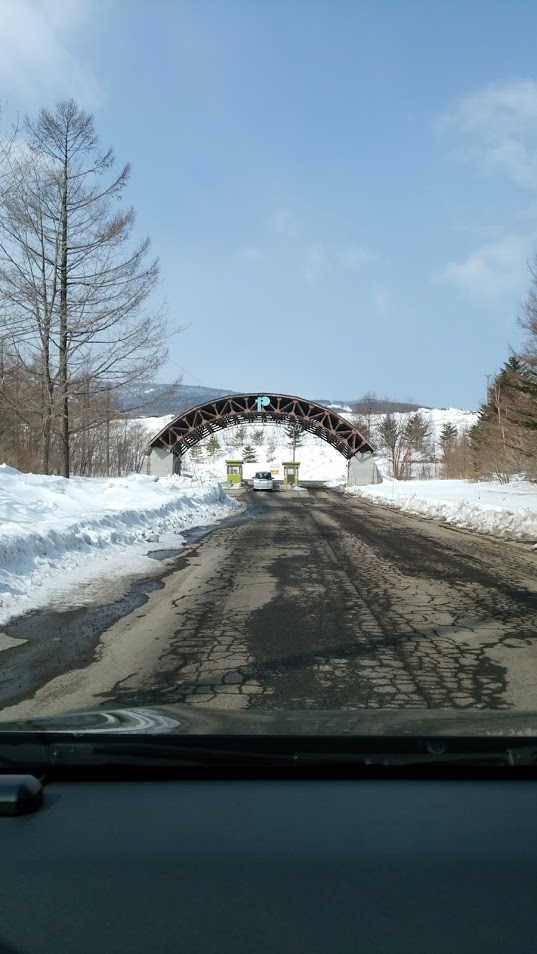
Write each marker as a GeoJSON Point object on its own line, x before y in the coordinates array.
{"type": "Point", "coordinates": [362, 470]}
{"type": "Point", "coordinates": [162, 463]}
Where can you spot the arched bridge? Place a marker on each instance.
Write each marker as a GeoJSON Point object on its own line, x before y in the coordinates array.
{"type": "Point", "coordinates": [194, 425]}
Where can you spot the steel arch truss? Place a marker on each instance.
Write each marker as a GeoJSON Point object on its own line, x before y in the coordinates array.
{"type": "Point", "coordinates": [194, 425]}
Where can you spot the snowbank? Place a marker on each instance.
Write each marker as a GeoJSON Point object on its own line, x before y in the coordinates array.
{"type": "Point", "coordinates": [55, 533]}
{"type": "Point", "coordinates": [508, 511]}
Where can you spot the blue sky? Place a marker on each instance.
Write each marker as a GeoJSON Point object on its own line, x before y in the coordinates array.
{"type": "Point", "coordinates": [343, 195]}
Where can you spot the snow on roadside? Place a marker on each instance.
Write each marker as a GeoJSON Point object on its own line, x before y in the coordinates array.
{"type": "Point", "coordinates": [57, 533]}
{"type": "Point", "coordinates": [502, 510]}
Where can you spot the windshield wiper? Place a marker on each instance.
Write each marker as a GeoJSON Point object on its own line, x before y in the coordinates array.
{"type": "Point", "coordinates": [41, 752]}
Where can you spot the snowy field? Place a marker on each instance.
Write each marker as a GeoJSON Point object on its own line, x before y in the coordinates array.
{"type": "Point", "coordinates": [503, 510]}
{"type": "Point", "coordinates": [57, 535]}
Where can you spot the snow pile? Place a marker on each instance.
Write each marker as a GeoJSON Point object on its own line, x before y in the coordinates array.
{"type": "Point", "coordinates": [56, 532]}
{"type": "Point", "coordinates": [503, 510]}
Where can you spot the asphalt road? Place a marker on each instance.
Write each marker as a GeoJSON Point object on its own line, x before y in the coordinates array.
{"type": "Point", "coordinates": [316, 601]}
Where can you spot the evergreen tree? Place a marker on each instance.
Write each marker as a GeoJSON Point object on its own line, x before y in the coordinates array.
{"type": "Point", "coordinates": [504, 439]}
{"type": "Point", "coordinates": [249, 455]}
{"type": "Point", "coordinates": [448, 438]}
{"type": "Point", "coordinates": [213, 446]}
{"type": "Point", "coordinates": [456, 457]}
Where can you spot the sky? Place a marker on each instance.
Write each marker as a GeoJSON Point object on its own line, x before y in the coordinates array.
{"type": "Point", "coordinates": [351, 184]}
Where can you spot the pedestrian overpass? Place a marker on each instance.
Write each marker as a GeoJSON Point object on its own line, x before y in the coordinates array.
{"type": "Point", "coordinates": [166, 449]}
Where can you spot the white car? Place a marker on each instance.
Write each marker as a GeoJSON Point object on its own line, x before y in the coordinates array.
{"type": "Point", "coordinates": [263, 480]}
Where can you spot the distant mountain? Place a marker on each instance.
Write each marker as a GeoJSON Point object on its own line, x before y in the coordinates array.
{"type": "Point", "coordinates": [376, 406]}
{"type": "Point", "coordinates": [373, 405]}
{"type": "Point", "coordinates": [159, 399]}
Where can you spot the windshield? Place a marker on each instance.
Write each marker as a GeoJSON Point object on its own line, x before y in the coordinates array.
{"type": "Point", "coordinates": [268, 369]}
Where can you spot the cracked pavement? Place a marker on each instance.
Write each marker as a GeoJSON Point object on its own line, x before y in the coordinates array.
{"type": "Point", "coordinates": [321, 601]}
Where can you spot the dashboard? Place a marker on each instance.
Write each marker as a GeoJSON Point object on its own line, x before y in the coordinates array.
{"type": "Point", "coordinates": [264, 866]}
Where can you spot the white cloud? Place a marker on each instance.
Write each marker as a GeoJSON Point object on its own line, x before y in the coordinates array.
{"type": "Point", "coordinates": [492, 271]}
{"type": "Point", "coordinates": [478, 232]}
{"type": "Point", "coordinates": [282, 220]}
{"type": "Point", "coordinates": [251, 254]}
{"type": "Point", "coordinates": [312, 264]}
{"type": "Point", "coordinates": [382, 301]}
{"type": "Point", "coordinates": [500, 126]}
{"type": "Point", "coordinates": [37, 59]}
{"type": "Point", "coordinates": [356, 256]}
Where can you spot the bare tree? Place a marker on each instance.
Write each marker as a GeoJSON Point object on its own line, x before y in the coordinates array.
{"type": "Point", "coordinates": [401, 440]}
{"type": "Point", "coordinates": [238, 437]}
{"type": "Point", "coordinates": [363, 410]}
{"type": "Point", "coordinates": [295, 433]}
{"type": "Point", "coordinates": [270, 452]}
{"type": "Point", "coordinates": [76, 285]}
{"type": "Point", "coordinates": [8, 141]}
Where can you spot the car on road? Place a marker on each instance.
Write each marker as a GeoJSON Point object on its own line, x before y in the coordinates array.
{"type": "Point", "coordinates": [263, 480]}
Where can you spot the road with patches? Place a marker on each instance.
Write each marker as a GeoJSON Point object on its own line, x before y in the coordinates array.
{"type": "Point", "coordinates": [321, 601]}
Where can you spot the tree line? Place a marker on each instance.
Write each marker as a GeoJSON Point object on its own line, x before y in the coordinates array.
{"type": "Point", "coordinates": [503, 442]}
{"type": "Point", "coordinates": [500, 445]}
{"type": "Point", "coordinates": [78, 317]}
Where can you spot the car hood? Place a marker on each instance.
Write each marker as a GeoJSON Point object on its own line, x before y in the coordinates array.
{"type": "Point", "coordinates": [190, 720]}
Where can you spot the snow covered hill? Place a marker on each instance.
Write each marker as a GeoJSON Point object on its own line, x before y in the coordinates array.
{"type": "Point", "coordinates": [437, 418]}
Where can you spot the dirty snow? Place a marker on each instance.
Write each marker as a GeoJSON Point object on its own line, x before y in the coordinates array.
{"type": "Point", "coordinates": [57, 533]}
{"type": "Point", "coordinates": [502, 510]}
